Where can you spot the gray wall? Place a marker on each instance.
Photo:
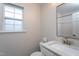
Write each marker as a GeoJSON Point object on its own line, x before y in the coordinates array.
{"type": "Point", "coordinates": [48, 21]}
{"type": "Point", "coordinates": [14, 44]}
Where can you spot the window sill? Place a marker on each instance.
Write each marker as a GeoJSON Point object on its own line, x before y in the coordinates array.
{"type": "Point", "coordinates": [13, 32]}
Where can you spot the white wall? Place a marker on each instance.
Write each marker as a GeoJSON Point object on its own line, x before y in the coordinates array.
{"type": "Point", "coordinates": [14, 44]}
{"type": "Point", "coordinates": [48, 21]}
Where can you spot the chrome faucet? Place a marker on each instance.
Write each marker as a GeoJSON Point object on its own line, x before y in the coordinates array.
{"type": "Point", "coordinates": [66, 41]}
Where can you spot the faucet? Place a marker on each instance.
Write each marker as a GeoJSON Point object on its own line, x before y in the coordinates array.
{"type": "Point", "coordinates": [66, 41]}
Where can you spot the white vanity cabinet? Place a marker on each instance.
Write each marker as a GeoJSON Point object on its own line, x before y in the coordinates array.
{"type": "Point", "coordinates": [47, 52]}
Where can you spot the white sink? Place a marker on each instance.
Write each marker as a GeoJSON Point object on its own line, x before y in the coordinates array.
{"type": "Point", "coordinates": [65, 50]}
{"type": "Point", "coordinates": [61, 49]}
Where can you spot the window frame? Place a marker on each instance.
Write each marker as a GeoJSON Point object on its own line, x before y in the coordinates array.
{"type": "Point", "coordinates": [3, 18]}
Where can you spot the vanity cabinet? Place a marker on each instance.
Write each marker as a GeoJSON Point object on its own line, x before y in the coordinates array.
{"type": "Point", "coordinates": [47, 52]}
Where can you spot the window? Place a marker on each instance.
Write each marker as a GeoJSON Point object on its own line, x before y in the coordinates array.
{"type": "Point", "coordinates": [13, 18]}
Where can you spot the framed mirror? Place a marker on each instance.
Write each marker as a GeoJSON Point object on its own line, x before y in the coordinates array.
{"type": "Point", "coordinates": [67, 15]}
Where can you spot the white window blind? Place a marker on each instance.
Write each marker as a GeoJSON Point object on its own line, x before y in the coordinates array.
{"type": "Point", "coordinates": [13, 18]}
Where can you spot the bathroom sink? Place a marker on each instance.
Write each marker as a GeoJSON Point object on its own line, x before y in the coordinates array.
{"type": "Point", "coordinates": [62, 49]}
{"type": "Point", "coordinates": [74, 47]}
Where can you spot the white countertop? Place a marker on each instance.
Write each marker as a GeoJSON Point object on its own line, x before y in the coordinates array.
{"type": "Point", "coordinates": [61, 49]}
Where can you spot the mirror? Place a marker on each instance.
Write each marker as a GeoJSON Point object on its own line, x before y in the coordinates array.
{"type": "Point", "coordinates": [68, 20]}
